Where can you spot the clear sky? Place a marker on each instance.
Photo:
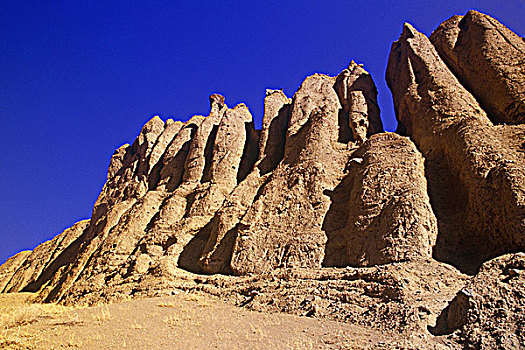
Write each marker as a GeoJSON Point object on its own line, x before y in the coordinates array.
{"type": "Point", "coordinates": [80, 78]}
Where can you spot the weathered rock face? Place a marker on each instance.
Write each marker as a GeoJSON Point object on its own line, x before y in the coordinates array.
{"type": "Point", "coordinates": [488, 59]}
{"type": "Point", "coordinates": [28, 269]}
{"type": "Point", "coordinates": [215, 195]}
{"type": "Point", "coordinates": [488, 312]}
{"type": "Point", "coordinates": [320, 187]}
{"type": "Point", "coordinates": [388, 217]}
{"type": "Point", "coordinates": [11, 266]}
{"type": "Point", "coordinates": [476, 170]}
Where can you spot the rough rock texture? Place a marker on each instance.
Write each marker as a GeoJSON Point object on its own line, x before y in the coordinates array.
{"type": "Point", "coordinates": [489, 60]}
{"type": "Point", "coordinates": [215, 195]}
{"type": "Point", "coordinates": [388, 217]}
{"type": "Point", "coordinates": [27, 270]}
{"type": "Point", "coordinates": [221, 234]}
{"type": "Point", "coordinates": [476, 170]}
{"type": "Point", "coordinates": [488, 312]}
{"type": "Point", "coordinates": [321, 214]}
{"type": "Point", "coordinates": [11, 266]}
{"type": "Point", "coordinates": [283, 227]}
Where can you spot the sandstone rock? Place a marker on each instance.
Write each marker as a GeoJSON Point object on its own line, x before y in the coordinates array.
{"type": "Point", "coordinates": [222, 231]}
{"type": "Point", "coordinates": [175, 156]}
{"type": "Point", "coordinates": [358, 97]}
{"type": "Point", "coordinates": [11, 265]}
{"type": "Point", "coordinates": [283, 227]}
{"type": "Point", "coordinates": [488, 312]}
{"type": "Point", "coordinates": [475, 169]}
{"type": "Point", "coordinates": [358, 116]}
{"type": "Point", "coordinates": [155, 161]}
{"type": "Point", "coordinates": [488, 60]}
{"type": "Point", "coordinates": [127, 175]}
{"type": "Point", "coordinates": [187, 194]}
{"type": "Point", "coordinates": [43, 262]}
{"type": "Point", "coordinates": [318, 188]}
{"type": "Point", "coordinates": [387, 217]}
{"type": "Point", "coordinates": [216, 102]}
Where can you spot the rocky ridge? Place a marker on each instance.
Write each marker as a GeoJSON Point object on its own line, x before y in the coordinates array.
{"type": "Point", "coordinates": [321, 213]}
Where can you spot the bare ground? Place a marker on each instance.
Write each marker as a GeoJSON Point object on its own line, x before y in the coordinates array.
{"type": "Point", "coordinates": [181, 321]}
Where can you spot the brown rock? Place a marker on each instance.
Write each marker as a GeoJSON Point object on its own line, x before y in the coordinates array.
{"type": "Point", "coordinates": [155, 161]}
{"type": "Point", "coordinates": [175, 156]}
{"type": "Point", "coordinates": [283, 227]}
{"type": "Point", "coordinates": [318, 188]}
{"type": "Point", "coordinates": [358, 97]}
{"type": "Point", "coordinates": [11, 265]}
{"type": "Point", "coordinates": [216, 102]}
{"type": "Point", "coordinates": [475, 169]}
{"type": "Point", "coordinates": [44, 261]}
{"type": "Point", "coordinates": [358, 116]}
{"type": "Point", "coordinates": [488, 311]}
{"type": "Point", "coordinates": [488, 59]}
{"type": "Point", "coordinates": [223, 229]}
{"type": "Point", "coordinates": [387, 217]}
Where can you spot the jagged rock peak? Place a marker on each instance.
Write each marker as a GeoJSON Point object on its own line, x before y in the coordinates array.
{"type": "Point", "coordinates": [216, 102]}
{"type": "Point", "coordinates": [484, 215]}
{"type": "Point", "coordinates": [488, 59]}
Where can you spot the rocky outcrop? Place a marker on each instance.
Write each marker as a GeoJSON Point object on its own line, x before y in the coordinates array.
{"type": "Point", "coordinates": [29, 270]}
{"type": "Point", "coordinates": [475, 169]}
{"type": "Point", "coordinates": [222, 232]}
{"type": "Point", "coordinates": [488, 59]}
{"type": "Point", "coordinates": [488, 312]}
{"type": "Point", "coordinates": [215, 195]}
{"type": "Point", "coordinates": [381, 211]}
{"type": "Point", "coordinates": [320, 213]}
{"type": "Point", "coordinates": [11, 266]}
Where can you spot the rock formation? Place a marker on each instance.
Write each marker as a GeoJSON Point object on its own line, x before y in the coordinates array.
{"type": "Point", "coordinates": [11, 266]}
{"type": "Point", "coordinates": [382, 212]}
{"type": "Point", "coordinates": [320, 212]}
{"type": "Point", "coordinates": [487, 313]}
{"type": "Point", "coordinates": [29, 270]}
{"type": "Point", "coordinates": [487, 58]}
{"type": "Point", "coordinates": [476, 169]}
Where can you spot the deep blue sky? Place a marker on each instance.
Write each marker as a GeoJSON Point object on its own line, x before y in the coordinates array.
{"type": "Point", "coordinates": [79, 79]}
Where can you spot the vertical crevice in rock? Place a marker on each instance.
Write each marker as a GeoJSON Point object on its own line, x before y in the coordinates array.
{"type": "Point", "coordinates": [156, 157]}
{"type": "Point", "coordinates": [175, 157]}
{"type": "Point", "coordinates": [250, 153]}
{"type": "Point", "coordinates": [276, 117]}
{"type": "Point", "coordinates": [201, 151]}
{"type": "Point", "coordinates": [208, 154]}
{"type": "Point", "coordinates": [177, 170]}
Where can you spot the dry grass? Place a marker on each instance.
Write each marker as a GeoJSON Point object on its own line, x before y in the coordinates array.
{"type": "Point", "coordinates": [172, 321]}
{"type": "Point", "coordinates": [136, 325]}
{"type": "Point", "coordinates": [14, 339]}
{"type": "Point", "coordinates": [103, 314]}
{"type": "Point", "coordinates": [16, 313]}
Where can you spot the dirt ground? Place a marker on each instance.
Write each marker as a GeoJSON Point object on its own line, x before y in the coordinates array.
{"type": "Point", "coordinates": [181, 321]}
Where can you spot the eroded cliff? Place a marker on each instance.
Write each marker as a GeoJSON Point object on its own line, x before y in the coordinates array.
{"type": "Point", "coordinates": [320, 212]}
